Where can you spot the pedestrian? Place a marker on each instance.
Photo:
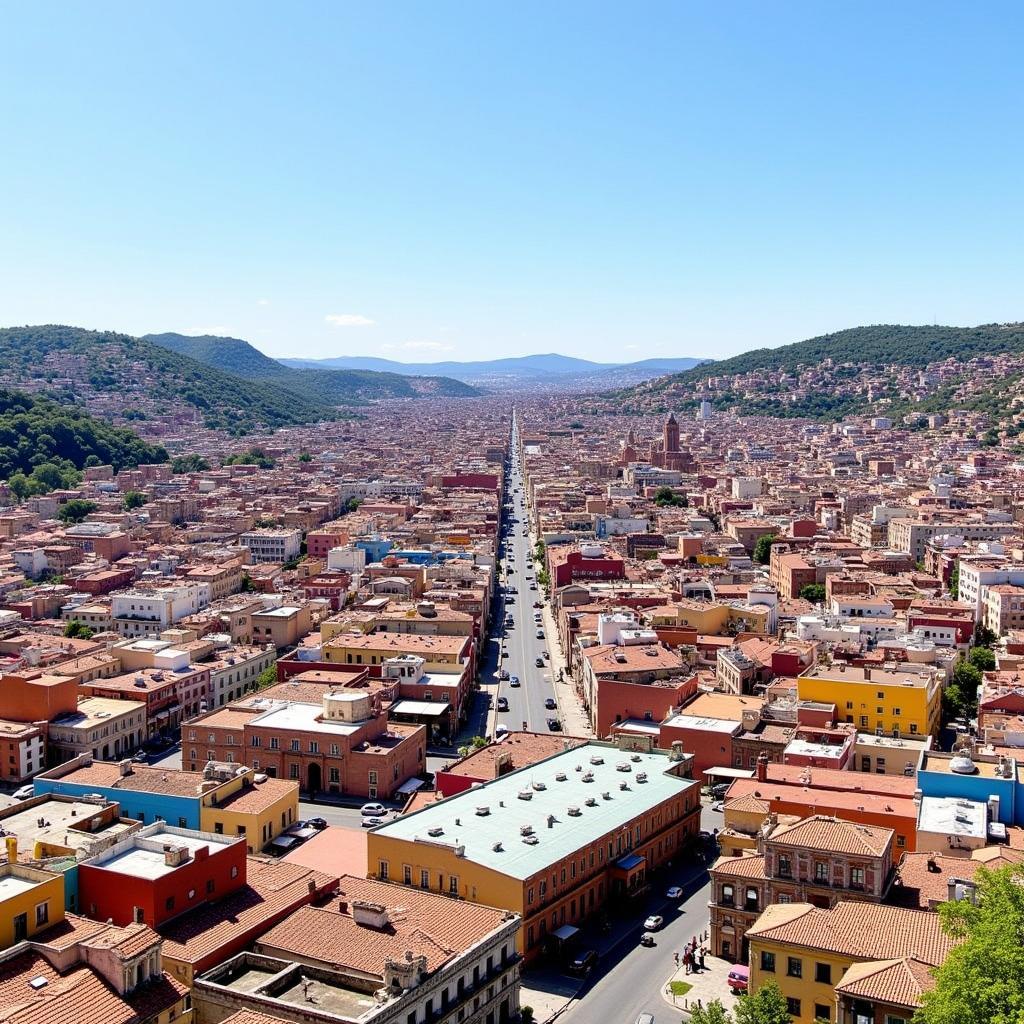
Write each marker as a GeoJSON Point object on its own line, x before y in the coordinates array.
{"type": "Point", "coordinates": [702, 958]}
{"type": "Point", "coordinates": [675, 956]}
{"type": "Point", "coordinates": [686, 962]}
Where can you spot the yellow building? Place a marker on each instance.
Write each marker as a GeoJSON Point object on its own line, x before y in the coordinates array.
{"type": "Point", "coordinates": [743, 819]}
{"type": "Point", "coordinates": [885, 701]}
{"type": "Point", "coordinates": [807, 951]}
{"type": "Point", "coordinates": [557, 842]}
{"type": "Point", "coordinates": [31, 901]}
{"type": "Point", "coordinates": [439, 653]}
{"type": "Point", "coordinates": [711, 619]}
{"type": "Point", "coordinates": [260, 811]}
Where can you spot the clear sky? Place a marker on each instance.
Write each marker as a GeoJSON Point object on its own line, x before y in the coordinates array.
{"type": "Point", "coordinates": [469, 180]}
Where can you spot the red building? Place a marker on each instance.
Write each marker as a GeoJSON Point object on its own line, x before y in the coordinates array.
{"type": "Point", "coordinates": [331, 586]}
{"type": "Point", "coordinates": [567, 564]}
{"type": "Point", "coordinates": [158, 873]}
{"type": "Point", "coordinates": [319, 542]}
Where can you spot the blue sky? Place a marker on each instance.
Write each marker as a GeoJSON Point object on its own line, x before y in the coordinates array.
{"type": "Point", "coordinates": [469, 180]}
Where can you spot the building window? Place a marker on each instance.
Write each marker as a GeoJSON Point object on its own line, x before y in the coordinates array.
{"type": "Point", "coordinates": [382, 871]}
{"type": "Point", "coordinates": [453, 885]}
{"type": "Point", "coordinates": [823, 973]}
{"type": "Point", "coordinates": [794, 967]}
{"type": "Point", "coordinates": [182, 823]}
{"type": "Point", "coordinates": [901, 840]}
{"type": "Point", "coordinates": [371, 778]}
{"type": "Point", "coordinates": [257, 741]}
{"type": "Point", "coordinates": [295, 746]}
{"type": "Point", "coordinates": [275, 743]}
{"type": "Point", "coordinates": [424, 878]}
{"type": "Point", "coordinates": [407, 874]}
{"type": "Point", "coordinates": [785, 868]}
{"type": "Point", "coordinates": [820, 872]}
{"type": "Point", "coordinates": [314, 747]}
{"type": "Point", "coordinates": [822, 1012]}
{"type": "Point", "coordinates": [293, 771]}
{"type": "Point", "coordinates": [335, 750]}
{"type": "Point", "coordinates": [169, 903]}
{"type": "Point", "coordinates": [218, 827]}
{"type": "Point", "coordinates": [728, 895]}
{"type": "Point", "coordinates": [42, 913]}
{"type": "Point", "coordinates": [857, 878]}
{"type": "Point", "coordinates": [334, 775]}
{"type": "Point", "coordinates": [767, 962]}
{"type": "Point", "coordinates": [792, 1006]}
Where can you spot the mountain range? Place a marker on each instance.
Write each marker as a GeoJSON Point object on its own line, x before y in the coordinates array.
{"type": "Point", "coordinates": [551, 369]}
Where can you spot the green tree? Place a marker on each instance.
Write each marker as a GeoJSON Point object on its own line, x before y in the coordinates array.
{"type": "Point", "coordinates": [982, 659]}
{"type": "Point", "coordinates": [78, 630]}
{"type": "Point", "coordinates": [765, 1006]}
{"type": "Point", "coordinates": [133, 500]}
{"type": "Point", "coordinates": [246, 583]}
{"type": "Point", "coordinates": [543, 578]}
{"type": "Point", "coordinates": [713, 1013]}
{"type": "Point", "coordinates": [984, 637]}
{"type": "Point", "coordinates": [189, 464]}
{"type": "Point", "coordinates": [954, 704]}
{"type": "Point", "coordinates": [268, 677]}
{"type": "Point", "coordinates": [763, 549]}
{"type": "Point", "coordinates": [75, 510]}
{"type": "Point", "coordinates": [352, 504]}
{"type": "Point", "coordinates": [813, 592]}
{"type": "Point", "coordinates": [968, 678]}
{"type": "Point", "coordinates": [665, 497]}
{"type": "Point", "coordinates": [981, 981]}
{"type": "Point", "coordinates": [305, 457]}
{"type": "Point", "coordinates": [954, 582]}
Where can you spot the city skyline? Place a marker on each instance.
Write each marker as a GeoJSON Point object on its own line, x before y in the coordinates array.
{"type": "Point", "coordinates": [422, 186]}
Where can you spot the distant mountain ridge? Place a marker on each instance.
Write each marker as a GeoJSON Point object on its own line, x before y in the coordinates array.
{"type": "Point", "coordinates": [531, 367]}
{"type": "Point", "coordinates": [330, 385]}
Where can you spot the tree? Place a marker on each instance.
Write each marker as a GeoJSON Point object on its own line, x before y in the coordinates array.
{"type": "Point", "coordinates": [266, 678]}
{"type": "Point", "coordinates": [953, 702]}
{"type": "Point", "coordinates": [75, 510]}
{"type": "Point", "coordinates": [967, 677]}
{"type": "Point", "coordinates": [814, 592]}
{"type": "Point", "coordinates": [76, 630]}
{"type": "Point", "coordinates": [189, 464]}
{"type": "Point", "coordinates": [954, 582]}
{"type": "Point", "coordinates": [305, 457]}
{"type": "Point", "coordinates": [982, 659]}
{"type": "Point", "coordinates": [763, 549]}
{"type": "Point", "coordinates": [133, 500]}
{"type": "Point", "coordinates": [981, 981]}
{"type": "Point", "coordinates": [984, 637]}
{"type": "Point", "coordinates": [665, 497]}
{"type": "Point", "coordinates": [765, 1006]}
{"type": "Point", "coordinates": [352, 504]}
{"type": "Point", "coordinates": [713, 1013]}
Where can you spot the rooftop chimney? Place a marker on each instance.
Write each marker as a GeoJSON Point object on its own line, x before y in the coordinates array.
{"type": "Point", "coordinates": [762, 767]}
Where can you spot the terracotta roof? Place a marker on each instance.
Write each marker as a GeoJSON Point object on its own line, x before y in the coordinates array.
{"type": "Point", "coordinates": [256, 798]}
{"type": "Point", "coordinates": [272, 890]}
{"type": "Point", "coordinates": [861, 930]}
{"type": "Point", "coordinates": [835, 835]}
{"type": "Point", "coordinates": [71, 998]}
{"type": "Point", "coordinates": [251, 1017]}
{"type": "Point", "coordinates": [142, 778]}
{"type": "Point", "coordinates": [524, 749]}
{"type": "Point", "coordinates": [426, 923]}
{"type": "Point", "coordinates": [739, 867]}
{"type": "Point", "coordinates": [900, 982]}
{"type": "Point", "coordinates": [922, 879]}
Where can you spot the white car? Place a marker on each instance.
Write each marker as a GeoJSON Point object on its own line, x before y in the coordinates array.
{"type": "Point", "coordinates": [372, 822]}
{"type": "Point", "coordinates": [654, 922]}
{"type": "Point", "coordinates": [674, 893]}
{"type": "Point", "coordinates": [25, 793]}
{"type": "Point", "coordinates": [372, 810]}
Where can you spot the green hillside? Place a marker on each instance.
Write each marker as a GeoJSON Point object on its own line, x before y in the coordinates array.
{"type": "Point", "coordinates": [43, 444]}
{"type": "Point", "coordinates": [77, 364]}
{"type": "Point", "coordinates": [331, 386]}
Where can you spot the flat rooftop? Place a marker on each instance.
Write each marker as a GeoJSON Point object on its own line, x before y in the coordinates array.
{"type": "Point", "coordinates": [11, 886]}
{"type": "Point", "coordinates": [143, 857]}
{"type": "Point", "coordinates": [296, 717]}
{"type": "Point", "coordinates": [703, 724]}
{"type": "Point", "coordinates": [953, 817]}
{"type": "Point", "coordinates": [510, 809]}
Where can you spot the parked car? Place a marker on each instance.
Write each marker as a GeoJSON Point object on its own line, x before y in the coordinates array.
{"type": "Point", "coordinates": [533, 586]}
{"type": "Point", "coordinates": [654, 922]}
{"type": "Point", "coordinates": [140, 757]}
{"type": "Point", "coordinates": [584, 961]}
{"type": "Point", "coordinates": [25, 792]}
{"type": "Point", "coordinates": [719, 790]}
{"type": "Point", "coordinates": [318, 823]}
{"type": "Point", "coordinates": [645, 1018]}
{"type": "Point", "coordinates": [372, 810]}
{"type": "Point", "coordinates": [549, 703]}
{"type": "Point", "coordinates": [500, 731]}
{"type": "Point", "coordinates": [675, 892]}
{"type": "Point", "coordinates": [514, 681]}
{"type": "Point", "coordinates": [372, 822]}
{"type": "Point", "coordinates": [503, 674]}
{"type": "Point", "coordinates": [718, 805]}
{"type": "Point", "coordinates": [739, 978]}
{"type": "Point", "coordinates": [503, 703]}
{"type": "Point", "coordinates": [554, 725]}
{"type": "Point", "coordinates": [540, 634]}
{"type": "Point", "coordinates": [647, 939]}
{"type": "Point", "coordinates": [539, 663]}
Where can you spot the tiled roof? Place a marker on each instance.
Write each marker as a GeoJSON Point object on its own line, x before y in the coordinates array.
{"type": "Point", "coordinates": [250, 1017]}
{"type": "Point", "coordinates": [739, 867]}
{"type": "Point", "coordinates": [834, 835]}
{"type": "Point", "coordinates": [426, 923]}
{"type": "Point", "coordinates": [524, 749]}
{"type": "Point", "coordinates": [256, 798]}
{"type": "Point", "coordinates": [864, 931]}
{"type": "Point", "coordinates": [900, 982]}
{"type": "Point", "coordinates": [272, 890]}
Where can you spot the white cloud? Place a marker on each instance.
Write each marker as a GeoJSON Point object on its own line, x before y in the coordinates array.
{"type": "Point", "coordinates": [349, 320]}
{"type": "Point", "coordinates": [263, 302]}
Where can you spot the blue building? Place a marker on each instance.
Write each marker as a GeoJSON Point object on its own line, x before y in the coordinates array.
{"type": "Point", "coordinates": [375, 547]}
{"type": "Point", "coordinates": [977, 777]}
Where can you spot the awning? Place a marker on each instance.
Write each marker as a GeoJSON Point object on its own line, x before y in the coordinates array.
{"type": "Point", "coordinates": [728, 773]}
{"type": "Point", "coordinates": [410, 786]}
{"type": "Point", "coordinates": [420, 707]}
{"type": "Point", "coordinates": [630, 861]}
{"type": "Point", "coordinates": [566, 932]}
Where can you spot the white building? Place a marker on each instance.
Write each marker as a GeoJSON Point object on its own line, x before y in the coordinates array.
{"type": "Point", "coordinates": [140, 612]}
{"type": "Point", "coordinates": [272, 545]}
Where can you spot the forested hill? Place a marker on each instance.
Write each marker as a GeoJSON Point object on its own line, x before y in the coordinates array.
{"type": "Point", "coordinates": [879, 345]}
{"type": "Point", "coordinates": [329, 385]}
{"type": "Point", "coordinates": [97, 367]}
{"type": "Point", "coordinates": [46, 443]}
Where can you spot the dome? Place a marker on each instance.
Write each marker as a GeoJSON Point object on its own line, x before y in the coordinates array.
{"type": "Point", "coordinates": [962, 764]}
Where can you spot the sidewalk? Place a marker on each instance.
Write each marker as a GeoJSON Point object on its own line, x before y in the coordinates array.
{"type": "Point", "coordinates": [706, 985]}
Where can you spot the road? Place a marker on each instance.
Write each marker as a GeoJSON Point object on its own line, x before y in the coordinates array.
{"type": "Point", "coordinates": [630, 977]}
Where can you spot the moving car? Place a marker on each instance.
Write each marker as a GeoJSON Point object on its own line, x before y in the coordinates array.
{"type": "Point", "coordinates": [554, 725]}
{"type": "Point", "coordinates": [647, 939]}
{"type": "Point", "coordinates": [372, 822]}
{"type": "Point", "coordinates": [645, 1018]}
{"type": "Point", "coordinates": [374, 810]}
{"type": "Point", "coordinates": [503, 674]}
{"type": "Point", "coordinates": [550, 704]}
{"type": "Point", "coordinates": [540, 634]}
{"type": "Point", "coordinates": [675, 892]}
{"type": "Point", "coordinates": [503, 703]}
{"type": "Point", "coordinates": [514, 681]}
{"type": "Point", "coordinates": [654, 922]}
{"type": "Point", "coordinates": [584, 961]}
{"type": "Point", "coordinates": [539, 663]}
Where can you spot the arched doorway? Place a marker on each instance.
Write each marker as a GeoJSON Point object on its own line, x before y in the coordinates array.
{"type": "Point", "coordinates": [315, 778]}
